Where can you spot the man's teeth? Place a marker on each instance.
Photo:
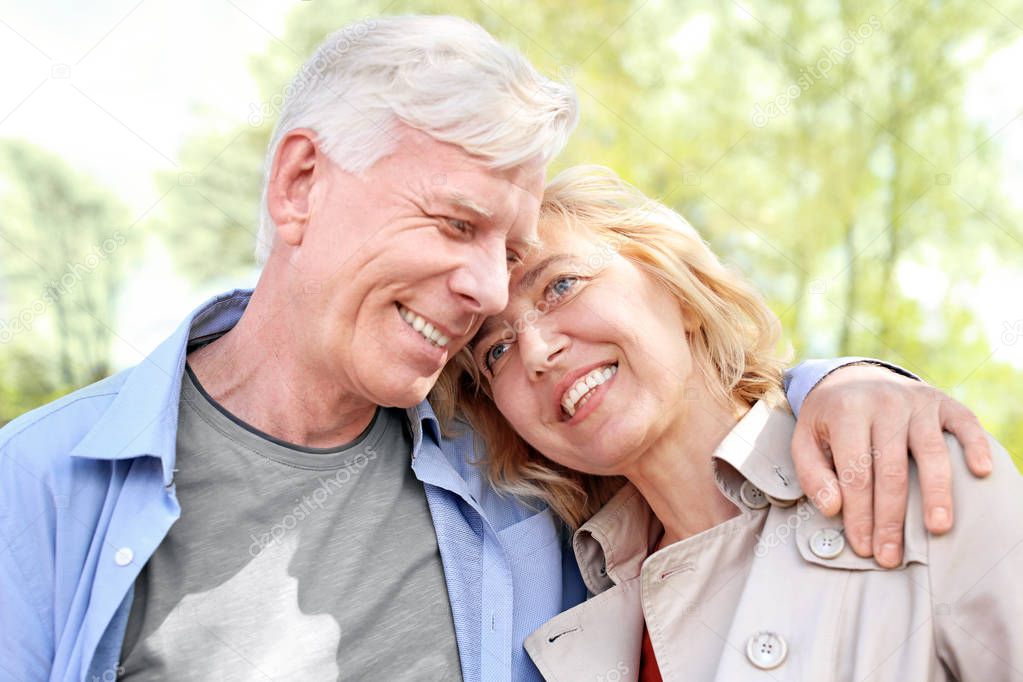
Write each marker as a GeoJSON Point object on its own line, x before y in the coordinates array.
{"type": "Point", "coordinates": [580, 392]}
{"type": "Point", "coordinates": [425, 329]}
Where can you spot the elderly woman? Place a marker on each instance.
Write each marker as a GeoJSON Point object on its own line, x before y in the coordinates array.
{"type": "Point", "coordinates": [632, 385]}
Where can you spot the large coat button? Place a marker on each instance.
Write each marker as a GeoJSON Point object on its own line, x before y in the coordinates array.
{"type": "Point", "coordinates": [752, 496]}
{"type": "Point", "coordinates": [827, 543]}
{"type": "Point", "coordinates": [766, 650]}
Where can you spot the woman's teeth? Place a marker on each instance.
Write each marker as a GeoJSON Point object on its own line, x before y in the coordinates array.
{"type": "Point", "coordinates": [425, 329]}
{"type": "Point", "coordinates": [581, 391]}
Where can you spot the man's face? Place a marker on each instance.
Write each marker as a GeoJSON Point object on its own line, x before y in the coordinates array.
{"type": "Point", "coordinates": [398, 268]}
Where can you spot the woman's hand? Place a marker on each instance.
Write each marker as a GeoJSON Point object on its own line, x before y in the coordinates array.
{"type": "Point", "coordinates": [850, 451]}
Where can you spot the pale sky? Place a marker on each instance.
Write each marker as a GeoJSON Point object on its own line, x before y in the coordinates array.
{"type": "Point", "coordinates": [115, 87]}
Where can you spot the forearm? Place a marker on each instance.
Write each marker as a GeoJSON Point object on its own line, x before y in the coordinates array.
{"type": "Point", "coordinates": [805, 376]}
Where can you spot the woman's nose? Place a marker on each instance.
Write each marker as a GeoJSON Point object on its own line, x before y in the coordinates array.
{"type": "Point", "coordinates": [541, 349]}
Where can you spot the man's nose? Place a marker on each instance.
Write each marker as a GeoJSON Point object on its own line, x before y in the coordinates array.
{"type": "Point", "coordinates": [482, 281]}
{"type": "Point", "coordinates": [541, 346]}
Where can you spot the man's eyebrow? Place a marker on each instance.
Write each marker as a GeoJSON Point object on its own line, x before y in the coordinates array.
{"type": "Point", "coordinates": [462, 201]}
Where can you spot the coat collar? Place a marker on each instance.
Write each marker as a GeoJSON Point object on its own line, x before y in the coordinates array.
{"type": "Point", "coordinates": [601, 638]}
{"type": "Point", "coordinates": [612, 546]}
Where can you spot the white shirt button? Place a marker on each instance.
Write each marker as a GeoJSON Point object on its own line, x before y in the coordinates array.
{"type": "Point", "coordinates": [827, 543]}
{"type": "Point", "coordinates": [766, 650]}
{"type": "Point", "coordinates": [752, 496]}
{"type": "Point", "coordinates": [124, 556]}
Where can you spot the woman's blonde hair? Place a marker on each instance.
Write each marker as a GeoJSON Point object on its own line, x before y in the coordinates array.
{"type": "Point", "coordinates": [734, 338]}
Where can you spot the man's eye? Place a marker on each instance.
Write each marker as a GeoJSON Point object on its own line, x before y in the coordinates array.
{"type": "Point", "coordinates": [463, 226]}
{"type": "Point", "coordinates": [560, 287]}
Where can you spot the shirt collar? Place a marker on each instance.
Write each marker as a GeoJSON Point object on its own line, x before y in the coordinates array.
{"type": "Point", "coordinates": [142, 421]}
{"type": "Point", "coordinates": [612, 546]}
{"type": "Point", "coordinates": [423, 416]}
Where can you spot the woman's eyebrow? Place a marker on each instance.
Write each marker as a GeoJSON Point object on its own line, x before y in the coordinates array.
{"type": "Point", "coordinates": [529, 278]}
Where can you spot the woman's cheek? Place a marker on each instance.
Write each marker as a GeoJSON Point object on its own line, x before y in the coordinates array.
{"type": "Point", "coordinates": [517, 412]}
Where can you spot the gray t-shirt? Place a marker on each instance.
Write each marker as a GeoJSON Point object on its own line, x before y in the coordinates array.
{"type": "Point", "coordinates": [290, 563]}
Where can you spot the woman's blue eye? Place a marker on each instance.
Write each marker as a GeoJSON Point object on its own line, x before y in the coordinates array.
{"type": "Point", "coordinates": [562, 285]}
{"type": "Point", "coordinates": [495, 353]}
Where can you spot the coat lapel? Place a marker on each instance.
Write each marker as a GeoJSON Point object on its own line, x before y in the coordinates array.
{"type": "Point", "coordinates": [598, 640]}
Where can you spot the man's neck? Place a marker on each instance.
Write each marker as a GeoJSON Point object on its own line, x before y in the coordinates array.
{"type": "Point", "coordinates": [254, 374]}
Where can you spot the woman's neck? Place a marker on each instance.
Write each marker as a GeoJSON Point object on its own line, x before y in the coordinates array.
{"type": "Point", "coordinates": [676, 475]}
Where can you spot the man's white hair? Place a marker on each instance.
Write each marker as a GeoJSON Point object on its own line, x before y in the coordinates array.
{"type": "Point", "coordinates": [444, 76]}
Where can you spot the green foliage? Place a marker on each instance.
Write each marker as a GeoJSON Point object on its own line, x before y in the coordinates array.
{"type": "Point", "coordinates": [62, 245]}
{"type": "Point", "coordinates": [210, 217]}
{"type": "Point", "coordinates": [25, 382]}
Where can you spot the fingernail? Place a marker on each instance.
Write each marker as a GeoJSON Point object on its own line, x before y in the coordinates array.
{"type": "Point", "coordinates": [939, 517]}
{"type": "Point", "coordinates": [889, 554]}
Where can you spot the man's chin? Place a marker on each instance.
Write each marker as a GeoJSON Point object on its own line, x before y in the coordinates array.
{"type": "Point", "coordinates": [409, 395]}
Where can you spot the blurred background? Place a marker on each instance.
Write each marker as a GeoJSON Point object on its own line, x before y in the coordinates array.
{"type": "Point", "coordinates": [860, 161]}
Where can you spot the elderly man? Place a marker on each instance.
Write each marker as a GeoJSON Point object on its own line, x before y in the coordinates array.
{"type": "Point", "coordinates": [269, 496]}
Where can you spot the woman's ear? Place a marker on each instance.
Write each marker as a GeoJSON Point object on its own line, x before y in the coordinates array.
{"type": "Point", "coordinates": [291, 183]}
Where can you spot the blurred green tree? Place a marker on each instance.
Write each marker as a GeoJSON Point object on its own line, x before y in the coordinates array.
{"type": "Point", "coordinates": [62, 245]}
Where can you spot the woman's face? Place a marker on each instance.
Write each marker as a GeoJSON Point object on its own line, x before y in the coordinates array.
{"type": "Point", "coordinates": [589, 362]}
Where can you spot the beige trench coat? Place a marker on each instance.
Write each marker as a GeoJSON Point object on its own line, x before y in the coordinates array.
{"type": "Point", "coordinates": [776, 594]}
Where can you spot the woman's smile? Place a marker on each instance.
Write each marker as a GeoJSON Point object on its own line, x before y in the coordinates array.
{"type": "Point", "coordinates": [585, 386]}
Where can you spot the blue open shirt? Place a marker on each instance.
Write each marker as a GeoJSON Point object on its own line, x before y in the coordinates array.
{"type": "Point", "coordinates": [87, 494]}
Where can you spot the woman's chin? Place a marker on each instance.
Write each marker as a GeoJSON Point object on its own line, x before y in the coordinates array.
{"type": "Point", "coordinates": [605, 463]}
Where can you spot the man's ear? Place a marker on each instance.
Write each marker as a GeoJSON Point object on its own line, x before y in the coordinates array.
{"type": "Point", "coordinates": [291, 181]}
